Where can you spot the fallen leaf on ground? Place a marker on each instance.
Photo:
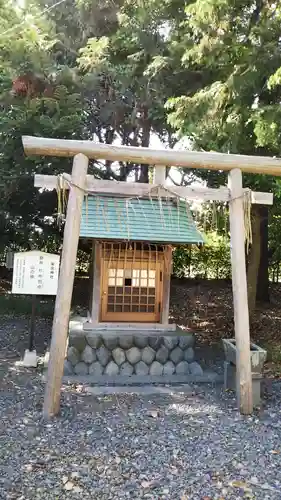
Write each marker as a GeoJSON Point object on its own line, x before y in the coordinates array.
{"type": "Point", "coordinates": [240, 484]}
{"type": "Point", "coordinates": [68, 486]}
{"type": "Point", "coordinates": [153, 413]}
{"type": "Point", "coordinates": [77, 489]}
{"type": "Point", "coordinates": [145, 484]}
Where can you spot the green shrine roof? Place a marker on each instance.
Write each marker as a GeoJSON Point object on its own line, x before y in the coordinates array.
{"type": "Point", "coordinates": [139, 219]}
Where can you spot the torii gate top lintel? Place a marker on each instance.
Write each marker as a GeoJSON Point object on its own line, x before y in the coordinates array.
{"type": "Point", "coordinates": [168, 157]}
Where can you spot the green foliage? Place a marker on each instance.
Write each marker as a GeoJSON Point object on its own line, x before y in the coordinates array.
{"type": "Point", "coordinates": [95, 53]}
{"type": "Point", "coordinates": [267, 127]}
{"type": "Point", "coordinates": [234, 45]}
{"type": "Point", "coordinates": [234, 48]}
{"type": "Point", "coordinates": [211, 261]}
{"type": "Point", "coordinates": [102, 73]}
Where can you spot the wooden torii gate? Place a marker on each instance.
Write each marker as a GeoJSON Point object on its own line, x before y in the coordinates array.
{"type": "Point", "coordinates": [80, 181]}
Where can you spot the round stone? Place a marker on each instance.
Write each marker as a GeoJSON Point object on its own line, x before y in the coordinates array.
{"type": "Point", "coordinates": [93, 340]}
{"type": "Point", "coordinates": [103, 355]}
{"type": "Point", "coordinates": [77, 339]}
{"type": "Point", "coordinates": [155, 342]}
{"type": "Point", "coordinates": [81, 368]}
{"type": "Point", "coordinates": [118, 355]}
{"type": "Point", "coordinates": [156, 368]}
{"type": "Point", "coordinates": [141, 368]}
{"type": "Point", "coordinates": [111, 369]}
{"type": "Point", "coordinates": [126, 369]}
{"type": "Point", "coordinates": [148, 355]}
{"type": "Point", "coordinates": [88, 355]}
{"type": "Point", "coordinates": [110, 342]}
{"type": "Point", "coordinates": [46, 359]}
{"type": "Point", "coordinates": [133, 355]}
{"type": "Point", "coordinates": [162, 354]}
{"type": "Point", "coordinates": [96, 369]}
{"type": "Point", "coordinates": [169, 368]}
{"type": "Point", "coordinates": [195, 369]}
{"type": "Point", "coordinates": [189, 354]}
{"type": "Point", "coordinates": [73, 355]}
{"type": "Point", "coordinates": [67, 370]}
{"type": "Point", "coordinates": [171, 342]}
{"type": "Point", "coordinates": [77, 321]}
{"type": "Point", "coordinates": [187, 340]}
{"type": "Point", "coordinates": [176, 355]}
{"type": "Point", "coordinates": [126, 341]}
{"type": "Point", "coordinates": [140, 341]}
{"type": "Point", "coordinates": [182, 368]}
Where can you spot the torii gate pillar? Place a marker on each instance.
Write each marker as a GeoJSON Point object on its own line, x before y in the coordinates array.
{"type": "Point", "coordinates": [240, 294]}
{"type": "Point", "coordinates": [65, 286]}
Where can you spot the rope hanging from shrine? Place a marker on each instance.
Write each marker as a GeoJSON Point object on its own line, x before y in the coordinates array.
{"type": "Point", "coordinates": [206, 215]}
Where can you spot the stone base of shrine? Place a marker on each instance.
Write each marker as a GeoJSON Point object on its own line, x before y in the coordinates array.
{"type": "Point", "coordinates": [119, 356]}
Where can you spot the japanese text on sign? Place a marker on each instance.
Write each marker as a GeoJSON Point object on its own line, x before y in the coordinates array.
{"type": "Point", "coordinates": [35, 273]}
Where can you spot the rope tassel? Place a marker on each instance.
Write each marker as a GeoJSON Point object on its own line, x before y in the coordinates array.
{"type": "Point", "coordinates": [247, 219]}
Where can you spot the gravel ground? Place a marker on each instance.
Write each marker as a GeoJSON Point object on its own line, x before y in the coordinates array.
{"type": "Point", "coordinates": [14, 333]}
{"type": "Point", "coordinates": [178, 446]}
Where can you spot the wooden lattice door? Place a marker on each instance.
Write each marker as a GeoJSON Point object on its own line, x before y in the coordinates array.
{"type": "Point", "coordinates": [131, 291]}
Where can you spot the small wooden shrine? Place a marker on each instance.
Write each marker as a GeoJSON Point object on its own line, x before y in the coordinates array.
{"type": "Point", "coordinates": [133, 240]}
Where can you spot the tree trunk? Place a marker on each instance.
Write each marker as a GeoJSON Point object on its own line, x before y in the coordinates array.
{"type": "Point", "coordinates": [144, 177]}
{"type": "Point", "coordinates": [263, 278]}
{"type": "Point", "coordinates": [144, 174]}
{"type": "Point", "coordinates": [254, 259]}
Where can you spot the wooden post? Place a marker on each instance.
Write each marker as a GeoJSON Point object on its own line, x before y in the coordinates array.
{"type": "Point", "coordinates": [96, 294]}
{"type": "Point", "coordinates": [160, 178]}
{"type": "Point", "coordinates": [32, 323]}
{"type": "Point", "coordinates": [65, 286]}
{"type": "Point", "coordinates": [159, 175]}
{"type": "Point", "coordinates": [240, 297]}
{"type": "Point", "coordinates": [166, 286]}
{"type": "Point", "coordinates": [91, 276]}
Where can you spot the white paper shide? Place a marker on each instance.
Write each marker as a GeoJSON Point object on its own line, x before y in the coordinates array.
{"type": "Point", "coordinates": [35, 273]}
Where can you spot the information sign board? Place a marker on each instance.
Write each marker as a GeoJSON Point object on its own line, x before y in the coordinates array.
{"type": "Point", "coordinates": [35, 273]}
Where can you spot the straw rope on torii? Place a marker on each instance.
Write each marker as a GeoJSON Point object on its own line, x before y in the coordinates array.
{"type": "Point", "coordinates": [153, 191]}
{"type": "Point", "coordinates": [233, 194]}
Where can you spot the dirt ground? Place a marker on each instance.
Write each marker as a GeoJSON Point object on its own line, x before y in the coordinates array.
{"type": "Point", "coordinates": [206, 307]}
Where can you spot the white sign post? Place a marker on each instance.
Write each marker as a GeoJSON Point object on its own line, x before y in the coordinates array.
{"type": "Point", "coordinates": [34, 273]}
